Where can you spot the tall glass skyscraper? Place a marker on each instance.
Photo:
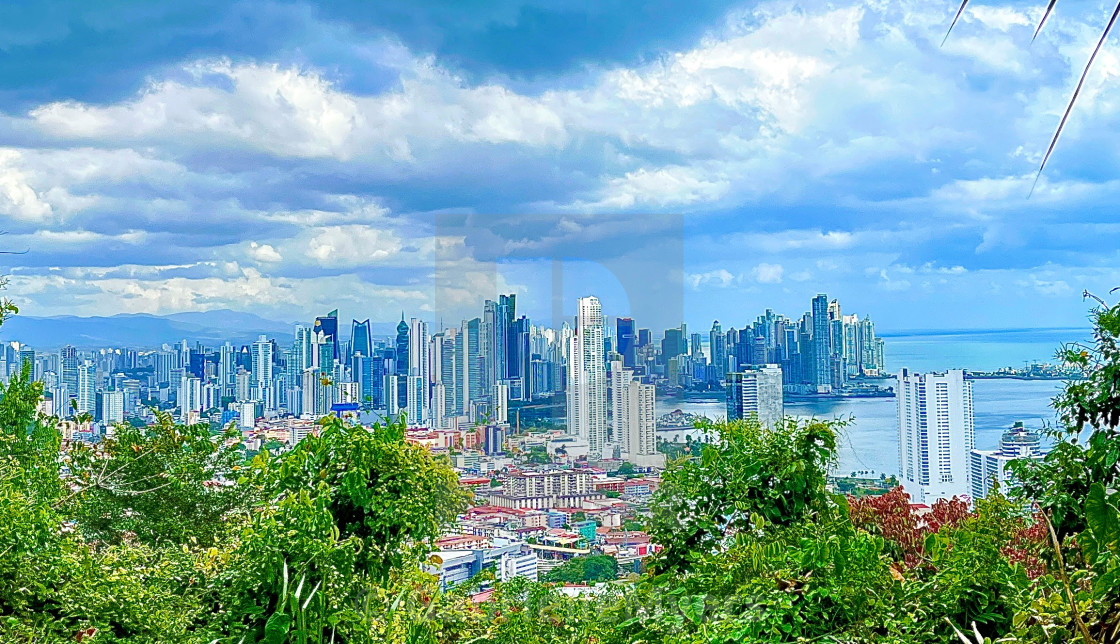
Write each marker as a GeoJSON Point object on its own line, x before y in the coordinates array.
{"type": "Point", "coordinates": [627, 341]}
{"type": "Point", "coordinates": [587, 377]}
{"type": "Point", "coordinates": [822, 346]}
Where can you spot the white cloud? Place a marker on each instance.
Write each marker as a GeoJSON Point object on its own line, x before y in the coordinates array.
{"type": "Point", "coordinates": [17, 198]}
{"type": "Point", "coordinates": [719, 278]}
{"type": "Point", "coordinates": [352, 245]}
{"type": "Point", "coordinates": [264, 253]}
{"type": "Point", "coordinates": [768, 273]}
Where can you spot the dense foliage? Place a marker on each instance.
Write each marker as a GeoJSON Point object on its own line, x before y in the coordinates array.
{"type": "Point", "coordinates": [170, 534]}
{"type": "Point", "coordinates": [581, 570]}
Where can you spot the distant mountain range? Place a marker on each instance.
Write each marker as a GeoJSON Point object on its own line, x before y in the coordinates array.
{"type": "Point", "coordinates": [142, 330]}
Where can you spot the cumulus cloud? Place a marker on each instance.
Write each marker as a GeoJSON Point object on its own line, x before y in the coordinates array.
{"type": "Point", "coordinates": [352, 245]}
{"type": "Point", "coordinates": [818, 146]}
{"type": "Point", "coordinates": [264, 253]}
{"type": "Point", "coordinates": [768, 273]}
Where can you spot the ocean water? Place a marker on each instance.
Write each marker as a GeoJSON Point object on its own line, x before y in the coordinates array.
{"type": "Point", "coordinates": [869, 444]}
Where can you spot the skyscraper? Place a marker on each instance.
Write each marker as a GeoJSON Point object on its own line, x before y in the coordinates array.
{"type": "Point", "coordinates": [361, 340]}
{"type": "Point", "coordinates": [226, 369]}
{"type": "Point", "coordinates": [587, 377]}
{"type": "Point", "coordinates": [474, 365]}
{"type": "Point", "coordinates": [717, 344]}
{"type": "Point", "coordinates": [401, 363]}
{"type": "Point", "coordinates": [634, 417]}
{"type": "Point", "coordinates": [822, 346]}
{"type": "Point", "coordinates": [935, 434]}
{"type": "Point", "coordinates": [989, 467]}
{"type": "Point", "coordinates": [627, 340]}
{"type": "Point", "coordinates": [262, 370]}
{"type": "Point", "coordinates": [68, 374]}
{"type": "Point", "coordinates": [419, 391]}
{"type": "Point", "coordinates": [756, 391]}
{"type": "Point", "coordinates": [86, 391]}
{"type": "Point", "coordinates": [327, 325]}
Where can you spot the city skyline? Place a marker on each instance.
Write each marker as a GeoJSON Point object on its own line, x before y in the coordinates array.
{"type": "Point", "coordinates": [420, 160]}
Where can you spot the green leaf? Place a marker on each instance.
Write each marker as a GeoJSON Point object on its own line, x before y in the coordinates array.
{"type": "Point", "coordinates": [1102, 518]}
{"type": "Point", "coordinates": [692, 607]}
{"type": "Point", "coordinates": [276, 628]}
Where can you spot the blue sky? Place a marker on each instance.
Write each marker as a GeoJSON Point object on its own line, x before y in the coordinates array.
{"type": "Point", "coordinates": [682, 160]}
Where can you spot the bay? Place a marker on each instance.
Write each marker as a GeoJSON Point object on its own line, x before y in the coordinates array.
{"type": "Point", "coordinates": [869, 444]}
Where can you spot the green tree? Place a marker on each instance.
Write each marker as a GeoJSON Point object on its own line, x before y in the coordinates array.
{"type": "Point", "coordinates": [344, 510]}
{"type": "Point", "coordinates": [587, 569]}
{"type": "Point", "coordinates": [162, 484]}
{"type": "Point", "coordinates": [745, 469]}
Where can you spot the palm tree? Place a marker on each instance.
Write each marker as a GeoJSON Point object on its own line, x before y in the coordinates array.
{"type": "Point", "coordinates": [1080, 83]}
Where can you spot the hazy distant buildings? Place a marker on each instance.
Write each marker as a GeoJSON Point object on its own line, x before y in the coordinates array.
{"type": "Point", "coordinates": [935, 434]}
{"type": "Point", "coordinates": [756, 391]}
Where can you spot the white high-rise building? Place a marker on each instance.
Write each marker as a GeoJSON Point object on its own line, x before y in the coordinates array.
{"type": "Point", "coordinates": [190, 399]}
{"type": "Point", "coordinates": [112, 406]}
{"type": "Point", "coordinates": [935, 434]}
{"type": "Point", "coordinates": [262, 366]}
{"type": "Point", "coordinates": [757, 391]}
{"type": "Point", "coordinates": [419, 390]}
{"type": "Point", "coordinates": [989, 467]}
{"type": "Point", "coordinates": [500, 399]}
{"type": "Point", "coordinates": [587, 377]}
{"type": "Point", "coordinates": [634, 415]}
{"type": "Point", "coordinates": [87, 388]}
{"type": "Point", "coordinates": [225, 368]}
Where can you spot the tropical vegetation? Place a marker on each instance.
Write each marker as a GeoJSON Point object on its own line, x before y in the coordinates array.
{"type": "Point", "coordinates": [170, 533]}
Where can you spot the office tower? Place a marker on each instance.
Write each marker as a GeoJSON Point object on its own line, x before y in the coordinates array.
{"type": "Point", "coordinates": [989, 467]}
{"type": "Point", "coordinates": [731, 346]}
{"type": "Point", "coordinates": [112, 406]}
{"type": "Point", "coordinates": [587, 377]}
{"type": "Point", "coordinates": [327, 327]}
{"type": "Point", "coordinates": [361, 340]}
{"type": "Point", "coordinates": [474, 366]}
{"type": "Point", "coordinates": [822, 346]}
{"type": "Point", "coordinates": [500, 404]}
{"type": "Point", "coordinates": [262, 365]}
{"type": "Point", "coordinates": [519, 357]}
{"type": "Point", "coordinates": [68, 374]}
{"type": "Point", "coordinates": [450, 370]}
{"type": "Point", "coordinates": [190, 399]}
{"type": "Point", "coordinates": [495, 440]}
{"type": "Point", "coordinates": [618, 401]}
{"type": "Point", "coordinates": [419, 392]}
{"type": "Point", "coordinates": [673, 345]}
{"type": "Point", "coordinates": [696, 347]}
{"type": "Point", "coordinates": [504, 336]}
{"type": "Point", "coordinates": [225, 368]}
{"type": "Point", "coordinates": [361, 370]}
{"type": "Point", "coordinates": [644, 337]}
{"type": "Point", "coordinates": [851, 345]}
{"type": "Point", "coordinates": [87, 388]}
{"type": "Point", "coordinates": [633, 418]}
{"type": "Point", "coordinates": [717, 345]}
{"type": "Point", "coordinates": [211, 396]}
{"type": "Point", "coordinates": [935, 434]}
{"type": "Point", "coordinates": [393, 406]}
{"type": "Point", "coordinates": [627, 340]}
{"type": "Point", "coordinates": [311, 387]}
{"type": "Point", "coordinates": [242, 385]}
{"type": "Point", "coordinates": [401, 361]}
{"type": "Point", "coordinates": [416, 406]}
{"type": "Point", "coordinates": [871, 361]}
{"type": "Point", "coordinates": [756, 391]}
{"type": "Point", "coordinates": [302, 350]}
{"type": "Point", "coordinates": [26, 356]}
